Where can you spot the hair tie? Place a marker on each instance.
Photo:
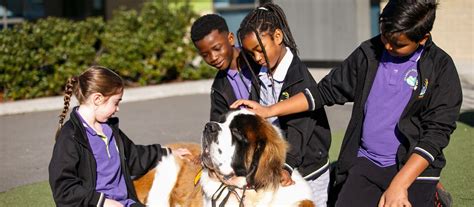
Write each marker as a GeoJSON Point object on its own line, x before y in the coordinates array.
{"type": "Point", "coordinates": [262, 8]}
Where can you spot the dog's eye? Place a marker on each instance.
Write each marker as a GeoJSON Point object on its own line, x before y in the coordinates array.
{"type": "Point", "coordinates": [234, 130]}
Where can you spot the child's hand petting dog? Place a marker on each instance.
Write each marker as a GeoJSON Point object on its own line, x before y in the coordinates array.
{"type": "Point", "coordinates": [182, 153]}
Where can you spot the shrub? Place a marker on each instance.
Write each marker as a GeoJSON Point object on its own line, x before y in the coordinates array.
{"type": "Point", "coordinates": [151, 46]}
{"type": "Point", "coordinates": [146, 47]}
{"type": "Point", "coordinates": [36, 58]}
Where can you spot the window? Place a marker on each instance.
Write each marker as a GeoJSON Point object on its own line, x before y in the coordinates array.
{"type": "Point", "coordinates": [234, 11]}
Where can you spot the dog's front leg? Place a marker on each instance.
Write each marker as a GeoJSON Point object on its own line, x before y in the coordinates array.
{"type": "Point", "coordinates": [165, 180]}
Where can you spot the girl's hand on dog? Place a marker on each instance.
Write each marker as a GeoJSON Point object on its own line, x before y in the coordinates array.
{"type": "Point", "coordinates": [285, 179]}
{"type": "Point", "coordinates": [252, 106]}
{"type": "Point", "coordinates": [182, 153]}
{"type": "Point", "coordinates": [112, 203]}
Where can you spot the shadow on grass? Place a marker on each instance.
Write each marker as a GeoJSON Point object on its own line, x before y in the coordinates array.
{"type": "Point", "coordinates": [467, 117]}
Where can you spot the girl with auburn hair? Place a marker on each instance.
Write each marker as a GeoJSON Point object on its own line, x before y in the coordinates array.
{"type": "Point", "coordinates": [93, 161]}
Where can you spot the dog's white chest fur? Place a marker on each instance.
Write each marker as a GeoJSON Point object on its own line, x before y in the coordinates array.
{"type": "Point", "coordinates": [283, 196]}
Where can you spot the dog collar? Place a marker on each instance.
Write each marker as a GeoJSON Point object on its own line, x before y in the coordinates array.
{"type": "Point", "coordinates": [198, 177]}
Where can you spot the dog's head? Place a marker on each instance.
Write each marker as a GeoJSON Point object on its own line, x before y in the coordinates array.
{"type": "Point", "coordinates": [244, 145]}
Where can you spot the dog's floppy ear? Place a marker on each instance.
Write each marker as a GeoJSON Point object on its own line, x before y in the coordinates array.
{"type": "Point", "coordinates": [272, 158]}
{"type": "Point", "coordinates": [238, 135]}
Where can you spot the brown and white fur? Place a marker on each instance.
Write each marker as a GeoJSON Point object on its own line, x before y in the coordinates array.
{"type": "Point", "coordinates": [171, 183]}
{"type": "Point", "coordinates": [244, 152]}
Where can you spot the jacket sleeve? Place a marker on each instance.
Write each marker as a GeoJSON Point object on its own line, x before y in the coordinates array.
{"type": "Point", "coordinates": [337, 87]}
{"type": "Point", "coordinates": [142, 158]}
{"type": "Point", "coordinates": [67, 187]}
{"type": "Point", "coordinates": [438, 121]}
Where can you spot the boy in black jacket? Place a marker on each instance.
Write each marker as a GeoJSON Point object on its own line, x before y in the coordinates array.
{"type": "Point", "coordinates": [93, 161]}
{"type": "Point", "coordinates": [216, 45]}
{"type": "Point", "coordinates": [407, 96]}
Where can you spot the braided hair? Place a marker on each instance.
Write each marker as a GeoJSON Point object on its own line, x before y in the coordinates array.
{"type": "Point", "coordinates": [266, 19]}
{"type": "Point", "coordinates": [96, 79]}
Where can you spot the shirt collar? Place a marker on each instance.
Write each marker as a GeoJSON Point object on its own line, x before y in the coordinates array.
{"type": "Point", "coordinates": [89, 129]}
{"type": "Point", "coordinates": [232, 73]}
{"type": "Point", "coordinates": [282, 68]}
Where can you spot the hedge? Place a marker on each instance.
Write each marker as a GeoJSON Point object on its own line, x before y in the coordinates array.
{"type": "Point", "coordinates": [145, 47]}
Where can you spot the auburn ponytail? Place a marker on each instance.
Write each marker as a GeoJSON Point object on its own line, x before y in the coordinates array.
{"type": "Point", "coordinates": [68, 91]}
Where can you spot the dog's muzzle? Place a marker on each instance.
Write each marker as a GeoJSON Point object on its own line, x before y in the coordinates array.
{"type": "Point", "coordinates": [209, 135]}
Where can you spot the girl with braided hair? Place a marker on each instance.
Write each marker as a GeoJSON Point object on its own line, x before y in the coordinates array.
{"type": "Point", "coordinates": [265, 35]}
{"type": "Point", "coordinates": [93, 161]}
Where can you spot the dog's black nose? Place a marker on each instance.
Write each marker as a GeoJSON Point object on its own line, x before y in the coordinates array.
{"type": "Point", "coordinates": [211, 127]}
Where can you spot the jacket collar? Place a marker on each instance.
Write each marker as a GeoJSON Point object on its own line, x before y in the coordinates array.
{"type": "Point", "coordinates": [426, 67]}
{"type": "Point", "coordinates": [283, 66]}
{"type": "Point", "coordinates": [294, 74]}
{"type": "Point", "coordinates": [80, 132]}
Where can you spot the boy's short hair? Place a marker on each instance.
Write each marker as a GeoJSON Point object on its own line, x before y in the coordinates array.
{"type": "Point", "coordinates": [414, 18]}
{"type": "Point", "coordinates": [206, 24]}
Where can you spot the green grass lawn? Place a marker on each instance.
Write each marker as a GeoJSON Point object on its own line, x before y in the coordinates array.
{"type": "Point", "coordinates": [456, 176]}
{"type": "Point", "coordinates": [37, 194]}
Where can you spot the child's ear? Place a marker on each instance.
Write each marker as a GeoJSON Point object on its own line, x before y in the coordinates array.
{"type": "Point", "coordinates": [231, 38]}
{"type": "Point", "coordinates": [425, 38]}
{"type": "Point", "coordinates": [278, 36]}
{"type": "Point", "coordinates": [97, 98]}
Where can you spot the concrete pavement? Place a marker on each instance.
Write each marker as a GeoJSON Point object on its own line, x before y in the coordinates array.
{"type": "Point", "coordinates": [130, 95]}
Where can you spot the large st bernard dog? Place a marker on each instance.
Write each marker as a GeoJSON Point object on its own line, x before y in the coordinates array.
{"type": "Point", "coordinates": [241, 163]}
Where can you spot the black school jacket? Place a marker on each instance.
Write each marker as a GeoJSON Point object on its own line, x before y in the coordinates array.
{"type": "Point", "coordinates": [72, 170]}
{"type": "Point", "coordinates": [308, 133]}
{"type": "Point", "coordinates": [426, 122]}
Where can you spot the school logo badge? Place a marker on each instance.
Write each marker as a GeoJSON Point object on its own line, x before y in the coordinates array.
{"type": "Point", "coordinates": [423, 88]}
{"type": "Point", "coordinates": [285, 95]}
{"type": "Point", "coordinates": [411, 78]}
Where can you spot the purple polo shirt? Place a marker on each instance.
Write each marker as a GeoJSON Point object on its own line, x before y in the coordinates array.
{"type": "Point", "coordinates": [394, 83]}
{"type": "Point", "coordinates": [110, 179]}
{"type": "Point", "coordinates": [240, 82]}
